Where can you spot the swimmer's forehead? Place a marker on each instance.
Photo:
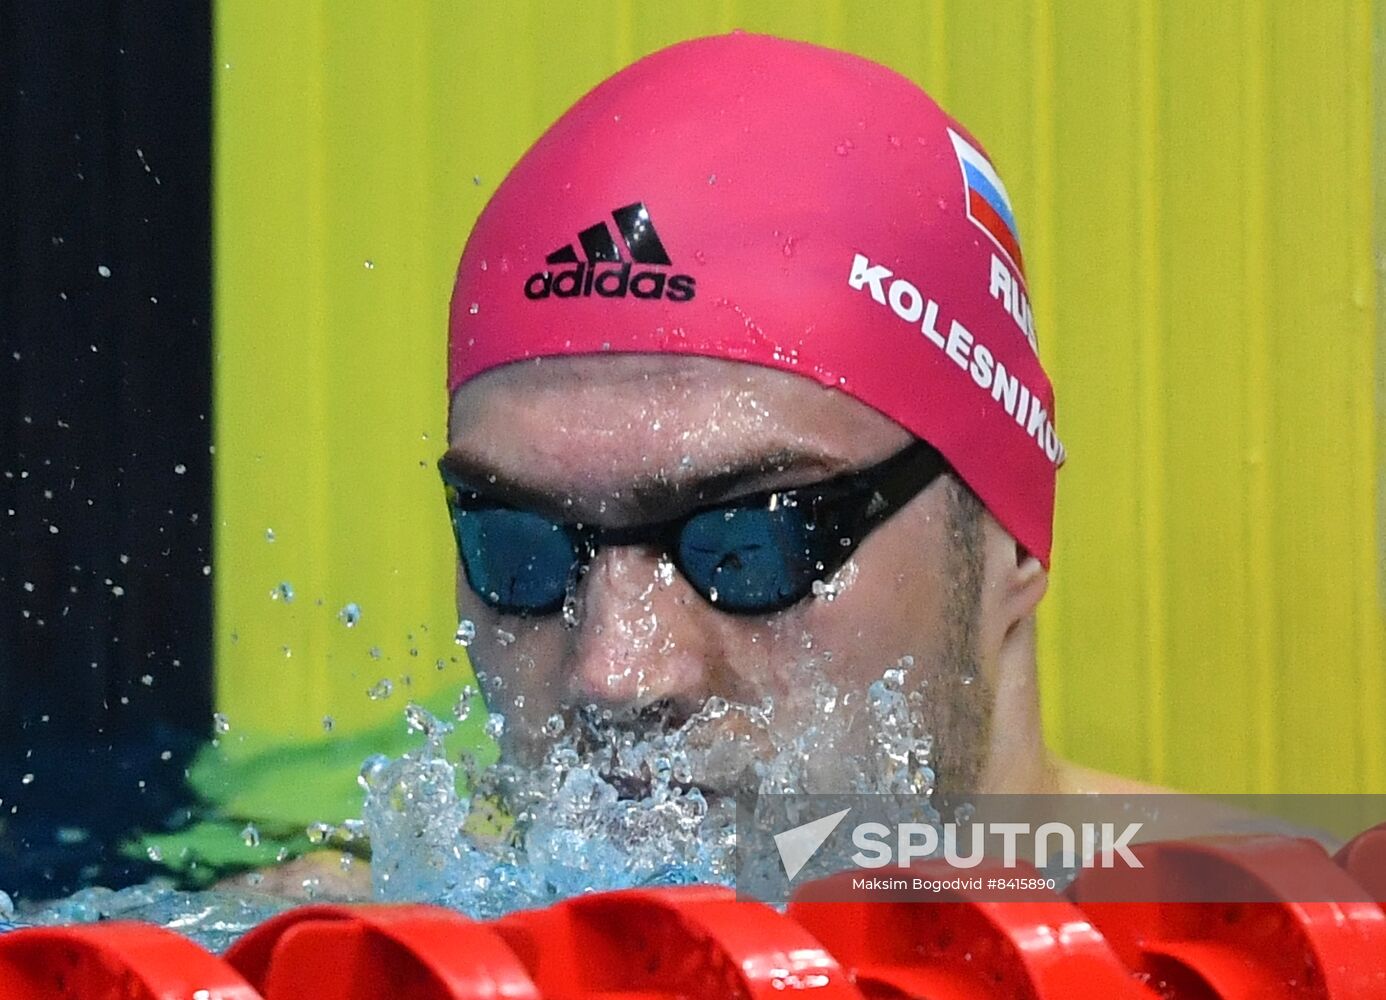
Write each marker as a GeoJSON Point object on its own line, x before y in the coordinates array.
{"type": "Point", "coordinates": [655, 433]}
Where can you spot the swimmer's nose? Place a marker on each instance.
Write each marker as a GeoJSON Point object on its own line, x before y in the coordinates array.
{"type": "Point", "coordinates": [641, 636]}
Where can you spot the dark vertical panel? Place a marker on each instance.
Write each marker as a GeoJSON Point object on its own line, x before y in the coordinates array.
{"type": "Point", "coordinates": [105, 610]}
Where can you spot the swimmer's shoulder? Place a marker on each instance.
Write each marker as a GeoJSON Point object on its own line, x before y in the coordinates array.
{"type": "Point", "coordinates": [1191, 815]}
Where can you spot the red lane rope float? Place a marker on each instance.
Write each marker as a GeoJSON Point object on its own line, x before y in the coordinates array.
{"type": "Point", "coordinates": [122, 961]}
{"type": "Point", "coordinates": [963, 944]}
{"type": "Point", "coordinates": [1364, 858]}
{"type": "Point", "coordinates": [371, 952]}
{"type": "Point", "coordinates": [656, 944]}
{"type": "Point", "coordinates": [1260, 940]}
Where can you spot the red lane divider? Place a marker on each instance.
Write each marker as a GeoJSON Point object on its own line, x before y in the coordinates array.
{"type": "Point", "coordinates": [121, 961]}
{"type": "Point", "coordinates": [1273, 947]}
{"type": "Point", "coordinates": [701, 942]}
{"type": "Point", "coordinates": [962, 945]}
{"type": "Point", "coordinates": [649, 944]}
{"type": "Point", "coordinates": [370, 952]}
{"type": "Point", "coordinates": [1364, 858]}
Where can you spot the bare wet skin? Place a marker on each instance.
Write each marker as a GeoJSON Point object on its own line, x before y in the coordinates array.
{"type": "Point", "coordinates": [623, 440]}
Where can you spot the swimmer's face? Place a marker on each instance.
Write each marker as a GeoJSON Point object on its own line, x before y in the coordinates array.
{"type": "Point", "coordinates": [929, 583]}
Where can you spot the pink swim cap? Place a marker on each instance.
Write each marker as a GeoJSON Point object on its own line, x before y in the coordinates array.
{"type": "Point", "coordinates": [786, 205]}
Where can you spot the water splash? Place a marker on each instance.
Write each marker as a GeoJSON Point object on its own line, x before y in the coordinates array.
{"type": "Point", "coordinates": [618, 800]}
{"type": "Point", "coordinates": [621, 799]}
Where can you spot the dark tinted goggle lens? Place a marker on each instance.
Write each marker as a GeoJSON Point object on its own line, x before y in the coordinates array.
{"type": "Point", "coordinates": [516, 561]}
{"type": "Point", "coordinates": [751, 559]}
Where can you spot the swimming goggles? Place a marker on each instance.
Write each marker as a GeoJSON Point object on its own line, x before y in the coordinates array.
{"type": "Point", "coordinates": [752, 554]}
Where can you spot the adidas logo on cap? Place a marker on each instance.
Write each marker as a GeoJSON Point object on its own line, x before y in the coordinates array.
{"type": "Point", "coordinates": [599, 248]}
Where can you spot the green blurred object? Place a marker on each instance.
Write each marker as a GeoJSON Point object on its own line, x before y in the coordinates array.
{"type": "Point", "coordinates": [281, 790]}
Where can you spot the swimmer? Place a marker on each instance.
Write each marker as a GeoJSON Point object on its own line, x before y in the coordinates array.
{"type": "Point", "coordinates": [744, 394]}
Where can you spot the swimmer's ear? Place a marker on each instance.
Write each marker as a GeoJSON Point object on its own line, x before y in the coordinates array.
{"type": "Point", "coordinates": [1015, 580]}
{"type": "Point", "coordinates": [1027, 581]}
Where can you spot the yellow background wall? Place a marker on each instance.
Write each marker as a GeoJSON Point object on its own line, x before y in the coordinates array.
{"type": "Point", "coordinates": [1194, 183]}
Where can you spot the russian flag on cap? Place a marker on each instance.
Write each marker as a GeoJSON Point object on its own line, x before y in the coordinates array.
{"type": "Point", "coordinates": [988, 205]}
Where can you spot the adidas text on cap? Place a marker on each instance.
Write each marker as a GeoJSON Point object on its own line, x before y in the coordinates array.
{"type": "Point", "coordinates": [817, 213]}
{"type": "Point", "coordinates": [586, 277]}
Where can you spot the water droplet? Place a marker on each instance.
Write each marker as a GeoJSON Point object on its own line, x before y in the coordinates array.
{"type": "Point", "coordinates": [825, 591]}
{"type": "Point", "coordinates": [466, 632]}
{"type": "Point", "coordinates": [373, 771]}
{"type": "Point", "coordinates": [327, 723]}
{"type": "Point", "coordinates": [269, 534]}
{"type": "Point", "coordinates": [844, 147]}
{"type": "Point", "coordinates": [503, 637]}
{"type": "Point", "coordinates": [166, 755]}
{"type": "Point", "coordinates": [382, 688]}
{"type": "Point", "coordinates": [495, 726]}
{"type": "Point", "coordinates": [28, 779]}
{"type": "Point", "coordinates": [350, 615]}
{"type": "Point", "coordinates": [318, 833]}
{"type": "Point", "coordinates": [712, 178]}
{"type": "Point", "coordinates": [155, 854]}
{"type": "Point", "coordinates": [284, 592]}
{"type": "Point", "coordinates": [370, 265]}
{"type": "Point", "coordinates": [419, 719]}
{"type": "Point", "coordinates": [788, 248]}
{"type": "Point", "coordinates": [103, 270]}
{"type": "Point", "coordinates": [250, 835]}
{"type": "Point", "coordinates": [220, 723]}
{"type": "Point", "coordinates": [474, 308]}
{"type": "Point", "coordinates": [147, 680]}
{"type": "Point", "coordinates": [712, 594]}
{"type": "Point", "coordinates": [180, 468]}
{"type": "Point", "coordinates": [553, 726]}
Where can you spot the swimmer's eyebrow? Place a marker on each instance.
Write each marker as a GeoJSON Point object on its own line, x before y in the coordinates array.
{"type": "Point", "coordinates": [655, 496]}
